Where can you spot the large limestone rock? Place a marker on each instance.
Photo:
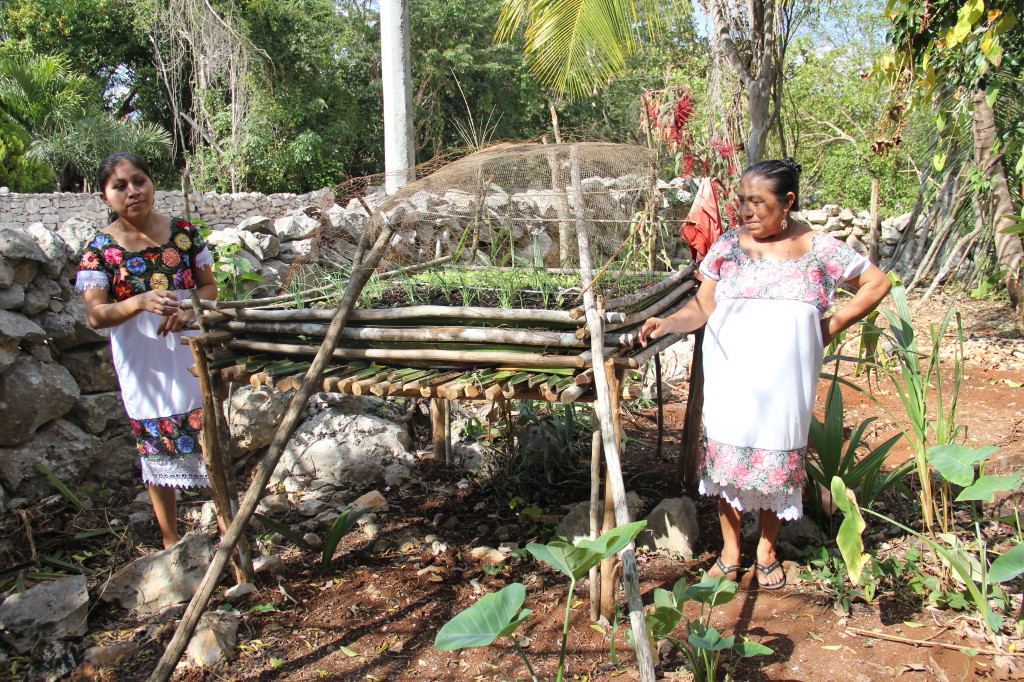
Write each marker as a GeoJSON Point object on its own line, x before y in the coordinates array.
{"type": "Point", "coordinates": [162, 579]}
{"type": "Point", "coordinates": [31, 394]}
{"type": "Point", "coordinates": [53, 247]}
{"type": "Point", "coordinates": [97, 412]}
{"type": "Point", "coordinates": [76, 234]}
{"type": "Point", "coordinates": [92, 368]}
{"type": "Point", "coordinates": [46, 612]}
{"type": "Point", "coordinates": [295, 227]}
{"type": "Point", "coordinates": [213, 643]}
{"type": "Point", "coordinates": [61, 446]}
{"type": "Point", "coordinates": [70, 327]}
{"type": "Point", "coordinates": [259, 223]}
{"type": "Point", "coordinates": [17, 244]}
{"type": "Point", "coordinates": [672, 526]}
{"type": "Point", "coordinates": [255, 414]}
{"type": "Point", "coordinates": [17, 331]}
{"type": "Point", "coordinates": [348, 442]}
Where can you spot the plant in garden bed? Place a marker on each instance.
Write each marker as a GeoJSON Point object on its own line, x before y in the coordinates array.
{"type": "Point", "coordinates": [704, 644]}
{"type": "Point", "coordinates": [829, 459]}
{"type": "Point", "coordinates": [498, 614]}
{"type": "Point", "coordinates": [916, 378]}
{"type": "Point", "coordinates": [968, 560]}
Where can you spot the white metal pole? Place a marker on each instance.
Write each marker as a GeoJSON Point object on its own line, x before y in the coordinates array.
{"type": "Point", "coordinates": [396, 69]}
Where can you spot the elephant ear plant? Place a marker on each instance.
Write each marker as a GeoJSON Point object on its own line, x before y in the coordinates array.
{"type": "Point", "coordinates": [704, 644]}
{"type": "Point", "coordinates": [498, 614]}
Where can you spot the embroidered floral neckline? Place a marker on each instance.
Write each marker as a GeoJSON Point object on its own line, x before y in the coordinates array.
{"type": "Point", "coordinates": [808, 252]}
{"type": "Point", "coordinates": [160, 247]}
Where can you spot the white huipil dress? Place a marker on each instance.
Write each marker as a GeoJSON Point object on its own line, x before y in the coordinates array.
{"type": "Point", "coordinates": [762, 355]}
{"type": "Point", "coordinates": [162, 398]}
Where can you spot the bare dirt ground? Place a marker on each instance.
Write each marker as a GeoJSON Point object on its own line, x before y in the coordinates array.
{"type": "Point", "coordinates": [374, 613]}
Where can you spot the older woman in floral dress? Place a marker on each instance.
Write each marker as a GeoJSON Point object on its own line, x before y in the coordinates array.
{"type": "Point", "coordinates": [767, 288]}
{"type": "Point", "coordinates": [133, 274]}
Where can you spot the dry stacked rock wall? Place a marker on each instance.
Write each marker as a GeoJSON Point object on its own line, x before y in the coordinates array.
{"type": "Point", "coordinates": [218, 211]}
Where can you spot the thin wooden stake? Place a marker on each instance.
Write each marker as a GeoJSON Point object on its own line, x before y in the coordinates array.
{"type": "Point", "coordinates": [172, 654]}
{"type": "Point", "coordinates": [595, 321]}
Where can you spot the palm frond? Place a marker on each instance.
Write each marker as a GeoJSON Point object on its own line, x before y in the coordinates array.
{"type": "Point", "coordinates": [574, 47]}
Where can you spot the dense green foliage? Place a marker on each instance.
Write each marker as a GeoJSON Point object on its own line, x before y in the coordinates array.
{"type": "Point", "coordinates": [315, 103]}
{"type": "Point", "coordinates": [17, 172]}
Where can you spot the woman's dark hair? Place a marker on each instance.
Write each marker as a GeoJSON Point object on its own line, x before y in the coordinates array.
{"type": "Point", "coordinates": [110, 164]}
{"type": "Point", "coordinates": [783, 177]}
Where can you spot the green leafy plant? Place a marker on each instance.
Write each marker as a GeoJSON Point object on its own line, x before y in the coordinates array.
{"type": "Point", "coordinates": [919, 384]}
{"type": "Point", "coordinates": [829, 459]}
{"type": "Point", "coordinates": [968, 562]}
{"type": "Point", "coordinates": [498, 614]}
{"type": "Point", "coordinates": [704, 644]}
{"type": "Point", "coordinates": [344, 523]}
{"type": "Point", "coordinates": [232, 269]}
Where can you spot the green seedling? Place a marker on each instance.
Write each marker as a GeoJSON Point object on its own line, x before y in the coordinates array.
{"type": "Point", "coordinates": [704, 644]}
{"type": "Point", "coordinates": [498, 614]}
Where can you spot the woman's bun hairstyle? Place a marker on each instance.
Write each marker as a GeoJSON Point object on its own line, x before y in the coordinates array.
{"type": "Point", "coordinates": [783, 177]}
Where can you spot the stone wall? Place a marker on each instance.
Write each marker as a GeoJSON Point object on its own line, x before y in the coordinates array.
{"type": "Point", "coordinates": [218, 211]}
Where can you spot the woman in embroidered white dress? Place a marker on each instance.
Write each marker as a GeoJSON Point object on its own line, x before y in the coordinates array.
{"type": "Point", "coordinates": [766, 290]}
{"type": "Point", "coordinates": [133, 274]}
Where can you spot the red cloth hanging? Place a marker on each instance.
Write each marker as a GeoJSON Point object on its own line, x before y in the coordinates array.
{"type": "Point", "coordinates": [703, 224]}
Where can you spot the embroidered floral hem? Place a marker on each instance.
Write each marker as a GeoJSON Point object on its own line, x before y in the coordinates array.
{"type": "Point", "coordinates": [171, 450]}
{"type": "Point", "coordinates": [788, 506]}
{"type": "Point", "coordinates": [757, 469]}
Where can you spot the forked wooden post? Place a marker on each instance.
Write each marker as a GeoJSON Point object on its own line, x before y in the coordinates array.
{"type": "Point", "coordinates": [220, 491]}
{"type": "Point", "coordinates": [609, 437]}
{"type": "Point", "coordinates": [165, 666]}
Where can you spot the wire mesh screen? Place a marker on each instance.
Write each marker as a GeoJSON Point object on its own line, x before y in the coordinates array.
{"type": "Point", "coordinates": [508, 208]}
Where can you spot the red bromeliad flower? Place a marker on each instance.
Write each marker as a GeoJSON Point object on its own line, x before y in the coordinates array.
{"type": "Point", "coordinates": [681, 116]}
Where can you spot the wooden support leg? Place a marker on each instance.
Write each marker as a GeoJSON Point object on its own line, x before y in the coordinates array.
{"type": "Point", "coordinates": [242, 558]}
{"type": "Point", "coordinates": [439, 426]}
{"type": "Point", "coordinates": [595, 521]}
{"type": "Point", "coordinates": [214, 461]}
{"type": "Point", "coordinates": [686, 468]}
{"type": "Point", "coordinates": [609, 565]}
{"type": "Point", "coordinates": [661, 407]}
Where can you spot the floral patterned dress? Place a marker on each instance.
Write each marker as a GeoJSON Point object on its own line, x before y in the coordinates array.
{"type": "Point", "coordinates": [762, 355]}
{"type": "Point", "coordinates": [162, 399]}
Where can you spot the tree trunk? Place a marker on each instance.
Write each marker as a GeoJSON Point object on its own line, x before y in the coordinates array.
{"type": "Point", "coordinates": [1009, 248]}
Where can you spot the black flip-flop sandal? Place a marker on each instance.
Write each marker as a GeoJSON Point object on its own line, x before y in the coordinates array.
{"type": "Point", "coordinates": [726, 570]}
{"type": "Point", "coordinates": [768, 570]}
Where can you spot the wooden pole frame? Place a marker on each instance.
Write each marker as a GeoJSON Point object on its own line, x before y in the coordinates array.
{"type": "Point", "coordinates": [176, 647]}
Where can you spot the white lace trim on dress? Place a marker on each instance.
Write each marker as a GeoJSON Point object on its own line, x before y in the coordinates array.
{"type": "Point", "coordinates": [175, 472]}
{"type": "Point", "coordinates": [204, 259]}
{"type": "Point", "coordinates": [788, 506]}
{"type": "Point", "coordinates": [91, 279]}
